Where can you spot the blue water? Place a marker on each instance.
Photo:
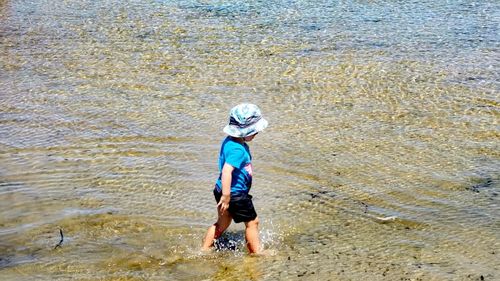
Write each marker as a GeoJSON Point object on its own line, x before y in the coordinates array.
{"type": "Point", "coordinates": [418, 26]}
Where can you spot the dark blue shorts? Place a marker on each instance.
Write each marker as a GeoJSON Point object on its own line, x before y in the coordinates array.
{"type": "Point", "coordinates": [240, 206]}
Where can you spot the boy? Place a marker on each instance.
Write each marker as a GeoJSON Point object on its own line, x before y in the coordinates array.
{"type": "Point", "coordinates": [235, 179]}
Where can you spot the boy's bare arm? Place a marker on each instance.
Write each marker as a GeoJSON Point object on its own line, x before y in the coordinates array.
{"type": "Point", "coordinates": [226, 178]}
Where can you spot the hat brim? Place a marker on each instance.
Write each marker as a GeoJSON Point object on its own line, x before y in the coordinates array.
{"type": "Point", "coordinates": [238, 132]}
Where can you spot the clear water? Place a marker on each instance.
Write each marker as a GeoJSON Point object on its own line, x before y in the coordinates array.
{"type": "Point", "coordinates": [381, 160]}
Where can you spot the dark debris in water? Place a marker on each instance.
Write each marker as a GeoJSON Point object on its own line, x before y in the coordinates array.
{"type": "Point", "coordinates": [302, 274]}
{"type": "Point", "coordinates": [4, 262]}
{"type": "Point", "coordinates": [481, 277]}
{"type": "Point", "coordinates": [322, 193]}
{"type": "Point", "coordinates": [365, 207]}
{"type": "Point", "coordinates": [311, 27]}
{"type": "Point", "coordinates": [488, 182]}
{"type": "Point", "coordinates": [373, 20]}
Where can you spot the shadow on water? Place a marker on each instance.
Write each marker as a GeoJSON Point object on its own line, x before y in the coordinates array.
{"type": "Point", "coordinates": [231, 241]}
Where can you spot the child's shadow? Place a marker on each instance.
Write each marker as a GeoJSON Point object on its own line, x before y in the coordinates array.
{"type": "Point", "coordinates": [230, 241]}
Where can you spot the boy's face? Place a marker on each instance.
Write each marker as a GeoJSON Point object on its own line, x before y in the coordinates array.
{"type": "Point", "coordinates": [250, 138]}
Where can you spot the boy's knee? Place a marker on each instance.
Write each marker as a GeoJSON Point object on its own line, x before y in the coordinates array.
{"type": "Point", "coordinates": [253, 223]}
{"type": "Point", "coordinates": [218, 230]}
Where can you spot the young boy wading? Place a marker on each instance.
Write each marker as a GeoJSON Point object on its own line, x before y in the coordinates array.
{"type": "Point", "coordinates": [235, 179]}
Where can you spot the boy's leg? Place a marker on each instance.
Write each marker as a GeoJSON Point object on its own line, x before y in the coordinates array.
{"type": "Point", "coordinates": [252, 235]}
{"type": "Point", "coordinates": [216, 230]}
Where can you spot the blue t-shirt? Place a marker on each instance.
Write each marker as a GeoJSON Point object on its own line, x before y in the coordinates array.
{"type": "Point", "coordinates": [237, 155]}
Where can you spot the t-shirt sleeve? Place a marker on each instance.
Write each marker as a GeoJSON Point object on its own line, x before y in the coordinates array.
{"type": "Point", "coordinates": [236, 158]}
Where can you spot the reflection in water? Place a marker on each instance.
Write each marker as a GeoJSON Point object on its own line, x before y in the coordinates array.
{"type": "Point", "coordinates": [381, 159]}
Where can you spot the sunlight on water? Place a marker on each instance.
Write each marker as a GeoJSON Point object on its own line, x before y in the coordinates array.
{"type": "Point", "coordinates": [381, 159]}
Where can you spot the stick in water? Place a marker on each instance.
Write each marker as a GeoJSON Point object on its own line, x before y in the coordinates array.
{"type": "Point", "coordinates": [60, 241]}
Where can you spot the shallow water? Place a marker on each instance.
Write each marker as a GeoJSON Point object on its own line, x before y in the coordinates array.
{"type": "Point", "coordinates": [381, 159]}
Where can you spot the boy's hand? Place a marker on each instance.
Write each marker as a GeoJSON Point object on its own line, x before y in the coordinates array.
{"type": "Point", "coordinates": [223, 204]}
{"type": "Point", "coordinates": [226, 177]}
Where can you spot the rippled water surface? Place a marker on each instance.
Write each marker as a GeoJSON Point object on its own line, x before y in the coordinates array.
{"type": "Point", "coordinates": [381, 161]}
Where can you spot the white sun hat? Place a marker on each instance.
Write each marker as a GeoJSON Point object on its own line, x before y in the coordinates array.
{"type": "Point", "coordinates": [245, 120]}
